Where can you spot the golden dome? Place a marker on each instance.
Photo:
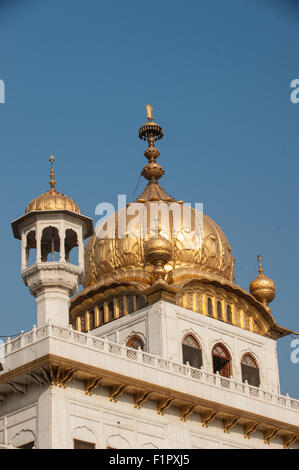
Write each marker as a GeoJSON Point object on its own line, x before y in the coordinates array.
{"type": "Point", "coordinates": [191, 244]}
{"type": "Point", "coordinates": [126, 253]}
{"type": "Point", "coordinates": [262, 287]}
{"type": "Point", "coordinates": [52, 199]}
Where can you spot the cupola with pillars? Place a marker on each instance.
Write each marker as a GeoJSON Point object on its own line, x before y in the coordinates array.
{"type": "Point", "coordinates": [51, 229]}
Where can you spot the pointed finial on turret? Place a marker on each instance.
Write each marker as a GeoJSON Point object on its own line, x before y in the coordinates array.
{"type": "Point", "coordinates": [149, 110]}
{"type": "Point", "coordinates": [152, 171]}
{"type": "Point", "coordinates": [260, 259]}
{"type": "Point", "coordinates": [151, 132]}
{"type": "Point", "coordinates": [52, 181]}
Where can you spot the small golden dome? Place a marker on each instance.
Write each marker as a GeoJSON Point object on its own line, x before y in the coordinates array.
{"type": "Point", "coordinates": [52, 200]}
{"type": "Point", "coordinates": [262, 287]}
{"type": "Point", "coordinates": [157, 249]}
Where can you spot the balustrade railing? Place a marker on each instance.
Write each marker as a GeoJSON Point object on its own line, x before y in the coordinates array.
{"type": "Point", "coordinates": [147, 359]}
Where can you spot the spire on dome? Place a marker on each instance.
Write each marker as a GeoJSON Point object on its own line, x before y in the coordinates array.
{"type": "Point", "coordinates": [52, 181]}
{"type": "Point", "coordinates": [152, 171]}
{"type": "Point", "coordinates": [259, 258]}
{"type": "Point", "coordinates": [52, 199]}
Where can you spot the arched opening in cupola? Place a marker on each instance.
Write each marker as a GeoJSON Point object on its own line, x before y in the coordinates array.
{"type": "Point", "coordinates": [71, 247]}
{"type": "Point", "coordinates": [192, 352]}
{"type": "Point", "coordinates": [50, 244]}
{"type": "Point", "coordinates": [30, 248]}
{"type": "Point", "coordinates": [250, 370]}
{"type": "Point", "coordinates": [221, 360]}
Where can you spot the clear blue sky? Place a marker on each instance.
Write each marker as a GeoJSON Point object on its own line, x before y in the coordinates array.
{"type": "Point", "coordinates": [78, 75]}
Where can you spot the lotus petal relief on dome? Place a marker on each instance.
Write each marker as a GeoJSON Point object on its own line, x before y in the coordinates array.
{"type": "Point", "coordinates": [128, 252]}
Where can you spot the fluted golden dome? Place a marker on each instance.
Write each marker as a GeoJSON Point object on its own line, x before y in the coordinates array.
{"type": "Point", "coordinates": [195, 243]}
{"type": "Point", "coordinates": [262, 287]}
{"type": "Point", "coordinates": [52, 199]}
{"type": "Point", "coordinates": [127, 254]}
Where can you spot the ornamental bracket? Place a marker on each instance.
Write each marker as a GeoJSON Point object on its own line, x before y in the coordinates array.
{"type": "Point", "coordinates": [229, 423]}
{"type": "Point", "coordinates": [41, 378]}
{"type": "Point", "coordinates": [163, 405]}
{"type": "Point", "coordinates": [140, 399]}
{"type": "Point", "coordinates": [117, 392]}
{"type": "Point", "coordinates": [249, 429]}
{"type": "Point", "coordinates": [60, 377]}
{"type": "Point", "coordinates": [187, 411]}
{"type": "Point", "coordinates": [17, 388]}
{"type": "Point", "coordinates": [270, 435]}
{"type": "Point", "coordinates": [207, 417]}
{"type": "Point", "coordinates": [91, 385]}
{"type": "Point", "coordinates": [289, 440]}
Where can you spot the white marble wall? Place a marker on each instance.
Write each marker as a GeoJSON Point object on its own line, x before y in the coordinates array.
{"type": "Point", "coordinates": [162, 326]}
{"type": "Point", "coordinates": [61, 415]}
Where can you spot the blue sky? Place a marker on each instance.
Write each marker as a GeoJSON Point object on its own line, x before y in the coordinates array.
{"type": "Point", "coordinates": [78, 75]}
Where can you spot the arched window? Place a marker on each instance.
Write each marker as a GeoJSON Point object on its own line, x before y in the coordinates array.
{"type": "Point", "coordinates": [210, 307]}
{"type": "Point", "coordinates": [82, 322]}
{"type": "Point", "coordinates": [141, 301]}
{"type": "Point", "coordinates": [221, 360]}
{"type": "Point", "coordinates": [135, 342]}
{"type": "Point", "coordinates": [101, 315]}
{"type": "Point", "coordinates": [83, 444]}
{"type": "Point", "coordinates": [250, 370]}
{"type": "Point", "coordinates": [110, 311]}
{"type": "Point", "coordinates": [30, 248]}
{"type": "Point", "coordinates": [219, 310]}
{"type": "Point", "coordinates": [120, 304]}
{"type": "Point", "coordinates": [71, 246]}
{"type": "Point", "coordinates": [50, 244]}
{"type": "Point", "coordinates": [192, 352]}
{"type": "Point", "coordinates": [229, 314]}
{"type": "Point", "coordinates": [91, 320]}
{"type": "Point", "coordinates": [130, 304]}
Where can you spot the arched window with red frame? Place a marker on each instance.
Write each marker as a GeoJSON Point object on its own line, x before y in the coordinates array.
{"type": "Point", "coordinates": [250, 370]}
{"type": "Point", "coordinates": [135, 342]}
{"type": "Point", "coordinates": [192, 352]}
{"type": "Point", "coordinates": [221, 360]}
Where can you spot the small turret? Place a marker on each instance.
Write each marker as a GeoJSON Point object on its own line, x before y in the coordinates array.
{"type": "Point", "coordinates": [51, 227]}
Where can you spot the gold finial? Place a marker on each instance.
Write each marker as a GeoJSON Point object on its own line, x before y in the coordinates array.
{"type": "Point", "coordinates": [262, 287]}
{"type": "Point", "coordinates": [52, 181]}
{"type": "Point", "coordinates": [151, 132]}
{"type": "Point", "coordinates": [149, 110]}
{"type": "Point", "coordinates": [259, 258]}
